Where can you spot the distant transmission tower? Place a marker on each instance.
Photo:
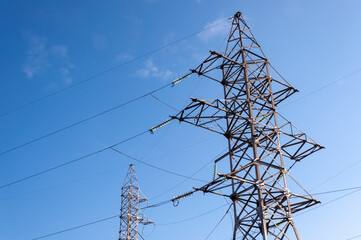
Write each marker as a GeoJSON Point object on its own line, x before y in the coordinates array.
{"type": "Point", "coordinates": [263, 145]}
{"type": "Point", "coordinates": [130, 215]}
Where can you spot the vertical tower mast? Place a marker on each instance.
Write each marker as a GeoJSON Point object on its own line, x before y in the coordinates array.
{"type": "Point", "coordinates": [263, 145]}
{"type": "Point", "coordinates": [130, 215]}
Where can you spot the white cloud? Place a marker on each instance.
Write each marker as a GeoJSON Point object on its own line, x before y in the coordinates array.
{"type": "Point", "coordinates": [150, 70]}
{"type": "Point", "coordinates": [65, 73]}
{"type": "Point", "coordinates": [36, 57]}
{"type": "Point", "coordinates": [40, 57]}
{"type": "Point", "coordinates": [214, 28]}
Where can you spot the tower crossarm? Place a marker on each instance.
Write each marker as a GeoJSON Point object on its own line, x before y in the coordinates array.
{"type": "Point", "coordinates": [144, 220]}
{"type": "Point", "coordinates": [208, 115]}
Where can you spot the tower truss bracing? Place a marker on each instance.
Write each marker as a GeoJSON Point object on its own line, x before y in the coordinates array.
{"type": "Point", "coordinates": [263, 145]}
{"type": "Point", "coordinates": [130, 215]}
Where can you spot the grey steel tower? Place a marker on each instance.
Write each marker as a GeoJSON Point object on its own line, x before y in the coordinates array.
{"type": "Point", "coordinates": [263, 145]}
{"type": "Point", "coordinates": [130, 215]}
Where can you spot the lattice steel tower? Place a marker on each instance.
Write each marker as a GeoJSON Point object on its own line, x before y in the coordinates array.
{"type": "Point", "coordinates": [130, 215]}
{"type": "Point", "coordinates": [263, 145]}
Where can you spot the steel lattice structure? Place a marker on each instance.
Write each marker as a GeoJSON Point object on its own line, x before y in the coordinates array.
{"type": "Point", "coordinates": [130, 215]}
{"type": "Point", "coordinates": [262, 143]}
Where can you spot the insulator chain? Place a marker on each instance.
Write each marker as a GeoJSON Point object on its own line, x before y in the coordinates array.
{"type": "Point", "coordinates": [153, 129]}
{"type": "Point", "coordinates": [176, 199]}
{"type": "Point", "coordinates": [180, 79]}
{"type": "Point", "coordinates": [214, 171]}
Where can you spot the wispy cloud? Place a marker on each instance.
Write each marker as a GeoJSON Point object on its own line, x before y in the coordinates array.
{"type": "Point", "coordinates": [212, 29]}
{"type": "Point", "coordinates": [151, 70]}
{"type": "Point", "coordinates": [40, 57]}
{"type": "Point", "coordinates": [36, 57]}
{"type": "Point", "coordinates": [66, 75]}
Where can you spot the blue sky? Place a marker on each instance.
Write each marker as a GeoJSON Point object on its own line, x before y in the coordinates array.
{"type": "Point", "coordinates": [48, 45]}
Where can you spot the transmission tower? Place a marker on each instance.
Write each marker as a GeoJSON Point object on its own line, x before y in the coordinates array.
{"type": "Point", "coordinates": [263, 145]}
{"type": "Point", "coordinates": [130, 215]}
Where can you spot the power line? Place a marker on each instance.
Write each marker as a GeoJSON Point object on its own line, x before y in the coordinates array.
{"type": "Point", "coordinates": [96, 152]}
{"type": "Point", "coordinates": [187, 146]}
{"type": "Point", "coordinates": [156, 143]}
{"type": "Point", "coordinates": [41, 189]}
{"type": "Point", "coordinates": [71, 161]}
{"type": "Point", "coordinates": [184, 220]}
{"type": "Point", "coordinates": [338, 190]}
{"type": "Point", "coordinates": [194, 217]}
{"type": "Point", "coordinates": [116, 216]}
{"type": "Point", "coordinates": [358, 188]}
{"type": "Point", "coordinates": [161, 101]}
{"type": "Point", "coordinates": [338, 173]}
{"type": "Point", "coordinates": [45, 171]}
{"type": "Point", "coordinates": [89, 118]}
{"type": "Point", "coordinates": [218, 223]}
{"type": "Point", "coordinates": [94, 222]}
{"type": "Point", "coordinates": [354, 237]}
{"type": "Point", "coordinates": [155, 167]}
{"type": "Point", "coordinates": [110, 69]}
{"type": "Point", "coordinates": [73, 228]}
{"type": "Point", "coordinates": [118, 106]}
{"type": "Point", "coordinates": [61, 184]}
{"type": "Point", "coordinates": [201, 168]}
{"type": "Point", "coordinates": [322, 87]}
{"type": "Point", "coordinates": [68, 182]}
{"type": "Point", "coordinates": [140, 97]}
{"type": "Point", "coordinates": [178, 174]}
{"type": "Point", "coordinates": [311, 93]}
{"type": "Point", "coordinates": [333, 200]}
{"type": "Point", "coordinates": [304, 96]}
